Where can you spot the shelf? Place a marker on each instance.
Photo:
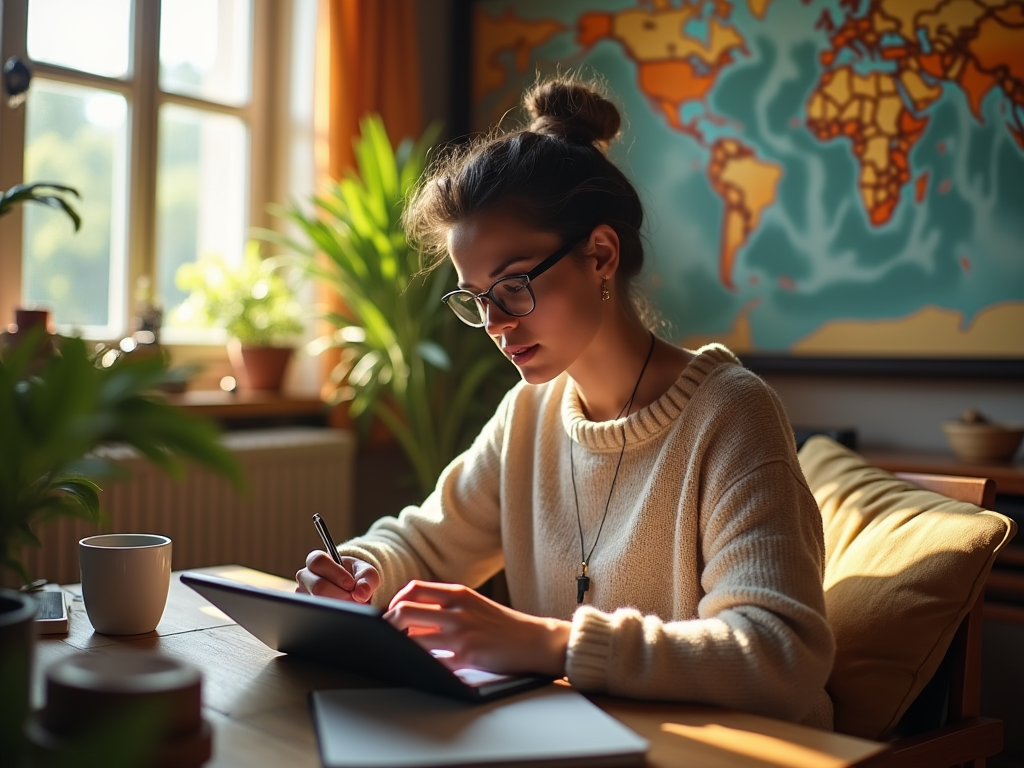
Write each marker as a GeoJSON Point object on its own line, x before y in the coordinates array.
{"type": "Point", "coordinates": [1008, 614]}
{"type": "Point", "coordinates": [1008, 477]}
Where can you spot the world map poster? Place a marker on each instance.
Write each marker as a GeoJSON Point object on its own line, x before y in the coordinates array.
{"type": "Point", "coordinates": [822, 178]}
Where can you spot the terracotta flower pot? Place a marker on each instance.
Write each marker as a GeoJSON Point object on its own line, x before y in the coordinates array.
{"type": "Point", "coordinates": [259, 368]}
{"type": "Point", "coordinates": [32, 318]}
{"type": "Point", "coordinates": [25, 322]}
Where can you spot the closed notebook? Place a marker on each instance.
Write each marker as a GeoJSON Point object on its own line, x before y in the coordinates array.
{"type": "Point", "coordinates": [404, 728]}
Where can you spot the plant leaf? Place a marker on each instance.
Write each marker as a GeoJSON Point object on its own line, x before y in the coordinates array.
{"type": "Point", "coordinates": [434, 354]}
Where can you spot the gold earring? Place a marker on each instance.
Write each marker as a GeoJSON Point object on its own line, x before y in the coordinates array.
{"type": "Point", "coordinates": [605, 295]}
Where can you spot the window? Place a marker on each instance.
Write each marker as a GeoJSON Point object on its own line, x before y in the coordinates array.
{"type": "Point", "coordinates": [158, 113]}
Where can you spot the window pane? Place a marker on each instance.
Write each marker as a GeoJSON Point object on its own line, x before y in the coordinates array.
{"type": "Point", "coordinates": [202, 191]}
{"type": "Point", "coordinates": [206, 49]}
{"type": "Point", "coordinates": [90, 36]}
{"type": "Point", "coordinates": [77, 137]}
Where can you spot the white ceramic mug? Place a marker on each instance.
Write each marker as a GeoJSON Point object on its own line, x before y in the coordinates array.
{"type": "Point", "coordinates": [125, 578]}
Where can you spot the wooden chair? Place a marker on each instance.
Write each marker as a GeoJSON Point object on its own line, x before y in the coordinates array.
{"type": "Point", "coordinates": [965, 738]}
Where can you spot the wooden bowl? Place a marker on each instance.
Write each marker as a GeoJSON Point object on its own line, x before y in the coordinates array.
{"type": "Point", "coordinates": [978, 443]}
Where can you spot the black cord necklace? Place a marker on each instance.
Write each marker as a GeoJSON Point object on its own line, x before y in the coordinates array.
{"type": "Point", "coordinates": [583, 580]}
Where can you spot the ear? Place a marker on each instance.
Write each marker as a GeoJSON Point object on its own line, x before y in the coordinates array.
{"type": "Point", "coordinates": [603, 248]}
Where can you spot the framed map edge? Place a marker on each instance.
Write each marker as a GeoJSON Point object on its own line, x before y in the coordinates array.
{"type": "Point", "coordinates": [910, 367]}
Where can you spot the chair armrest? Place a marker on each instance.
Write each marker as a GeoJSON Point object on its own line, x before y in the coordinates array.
{"type": "Point", "coordinates": [960, 742]}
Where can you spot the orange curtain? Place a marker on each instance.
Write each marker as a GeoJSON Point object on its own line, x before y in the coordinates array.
{"type": "Point", "coordinates": [367, 61]}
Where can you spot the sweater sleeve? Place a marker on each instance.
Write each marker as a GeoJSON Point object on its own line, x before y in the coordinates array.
{"type": "Point", "coordinates": [455, 535]}
{"type": "Point", "coordinates": [760, 642]}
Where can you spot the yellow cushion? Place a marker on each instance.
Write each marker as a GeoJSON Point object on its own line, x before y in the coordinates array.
{"type": "Point", "coordinates": [903, 566]}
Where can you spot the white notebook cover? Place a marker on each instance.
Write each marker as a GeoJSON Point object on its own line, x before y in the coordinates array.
{"type": "Point", "coordinates": [404, 728]}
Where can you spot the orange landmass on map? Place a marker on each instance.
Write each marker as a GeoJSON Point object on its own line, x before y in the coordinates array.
{"type": "Point", "coordinates": [998, 49]}
{"type": "Point", "coordinates": [497, 35]}
{"type": "Point", "coordinates": [673, 67]}
{"type": "Point", "coordinates": [758, 7]}
{"type": "Point", "coordinates": [656, 34]}
{"type": "Point", "coordinates": [979, 49]}
{"type": "Point", "coordinates": [747, 186]}
{"type": "Point", "coordinates": [922, 187]}
{"type": "Point", "coordinates": [996, 331]}
{"type": "Point", "coordinates": [868, 110]}
{"type": "Point", "coordinates": [670, 84]}
{"type": "Point", "coordinates": [978, 45]}
{"type": "Point", "coordinates": [940, 19]}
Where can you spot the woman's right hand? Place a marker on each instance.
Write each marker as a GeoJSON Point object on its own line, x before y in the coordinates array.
{"type": "Point", "coordinates": [353, 580]}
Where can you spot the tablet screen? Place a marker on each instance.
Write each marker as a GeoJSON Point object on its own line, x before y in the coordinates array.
{"type": "Point", "coordinates": [477, 677]}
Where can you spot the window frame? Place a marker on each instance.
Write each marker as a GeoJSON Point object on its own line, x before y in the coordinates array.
{"type": "Point", "coordinates": [145, 99]}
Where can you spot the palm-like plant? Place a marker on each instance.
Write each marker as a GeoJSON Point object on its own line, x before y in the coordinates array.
{"type": "Point", "coordinates": [406, 359]}
{"type": "Point", "coordinates": [56, 409]}
{"type": "Point", "coordinates": [43, 193]}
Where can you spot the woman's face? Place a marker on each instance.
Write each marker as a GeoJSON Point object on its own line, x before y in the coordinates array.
{"type": "Point", "coordinates": [568, 310]}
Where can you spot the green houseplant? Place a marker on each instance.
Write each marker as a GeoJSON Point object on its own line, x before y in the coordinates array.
{"type": "Point", "coordinates": [55, 410]}
{"type": "Point", "coordinates": [254, 302]}
{"type": "Point", "coordinates": [405, 358]}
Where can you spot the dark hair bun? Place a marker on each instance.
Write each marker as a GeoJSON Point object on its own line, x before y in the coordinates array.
{"type": "Point", "coordinates": [573, 110]}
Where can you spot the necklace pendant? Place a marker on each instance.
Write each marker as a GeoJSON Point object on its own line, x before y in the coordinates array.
{"type": "Point", "coordinates": [582, 585]}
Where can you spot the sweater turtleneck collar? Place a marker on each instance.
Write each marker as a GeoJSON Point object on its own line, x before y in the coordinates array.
{"type": "Point", "coordinates": [648, 422]}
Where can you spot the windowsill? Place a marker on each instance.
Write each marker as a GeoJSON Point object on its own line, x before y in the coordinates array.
{"type": "Point", "coordinates": [248, 409]}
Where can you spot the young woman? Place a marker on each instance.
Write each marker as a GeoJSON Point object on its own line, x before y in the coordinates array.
{"type": "Point", "coordinates": [657, 535]}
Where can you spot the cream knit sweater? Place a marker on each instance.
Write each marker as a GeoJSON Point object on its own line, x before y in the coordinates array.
{"type": "Point", "coordinates": [706, 580]}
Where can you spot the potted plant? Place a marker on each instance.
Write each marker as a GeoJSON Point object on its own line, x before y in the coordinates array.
{"type": "Point", "coordinates": [255, 303]}
{"type": "Point", "coordinates": [405, 358]}
{"type": "Point", "coordinates": [55, 409]}
{"type": "Point", "coordinates": [51, 195]}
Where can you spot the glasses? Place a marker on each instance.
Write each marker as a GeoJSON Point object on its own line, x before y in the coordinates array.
{"type": "Point", "coordinates": [511, 294]}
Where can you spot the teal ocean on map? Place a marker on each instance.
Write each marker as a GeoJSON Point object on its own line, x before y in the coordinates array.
{"type": "Point", "coordinates": [807, 170]}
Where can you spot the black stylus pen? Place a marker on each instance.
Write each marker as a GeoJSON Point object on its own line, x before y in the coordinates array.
{"type": "Point", "coordinates": [325, 537]}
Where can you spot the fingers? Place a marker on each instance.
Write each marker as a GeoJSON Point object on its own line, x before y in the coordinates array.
{"type": "Point", "coordinates": [440, 617]}
{"type": "Point", "coordinates": [434, 629]}
{"type": "Point", "coordinates": [475, 631]}
{"type": "Point", "coordinates": [353, 580]}
{"type": "Point", "coordinates": [321, 564]}
{"type": "Point", "coordinates": [309, 583]}
{"type": "Point", "coordinates": [434, 593]}
{"type": "Point", "coordinates": [366, 577]}
{"type": "Point", "coordinates": [418, 618]}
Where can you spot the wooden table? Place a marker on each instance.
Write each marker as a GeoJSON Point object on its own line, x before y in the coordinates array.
{"type": "Point", "coordinates": [256, 699]}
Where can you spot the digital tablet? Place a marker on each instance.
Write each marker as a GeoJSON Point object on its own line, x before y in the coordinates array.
{"type": "Point", "coordinates": [350, 636]}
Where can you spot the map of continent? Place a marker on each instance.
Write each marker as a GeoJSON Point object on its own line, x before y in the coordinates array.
{"type": "Point", "coordinates": [827, 178]}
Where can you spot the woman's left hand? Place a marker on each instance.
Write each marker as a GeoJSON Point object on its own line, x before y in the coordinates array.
{"type": "Point", "coordinates": [479, 632]}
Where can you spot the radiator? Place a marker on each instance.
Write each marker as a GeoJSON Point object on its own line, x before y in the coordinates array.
{"type": "Point", "coordinates": [291, 473]}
